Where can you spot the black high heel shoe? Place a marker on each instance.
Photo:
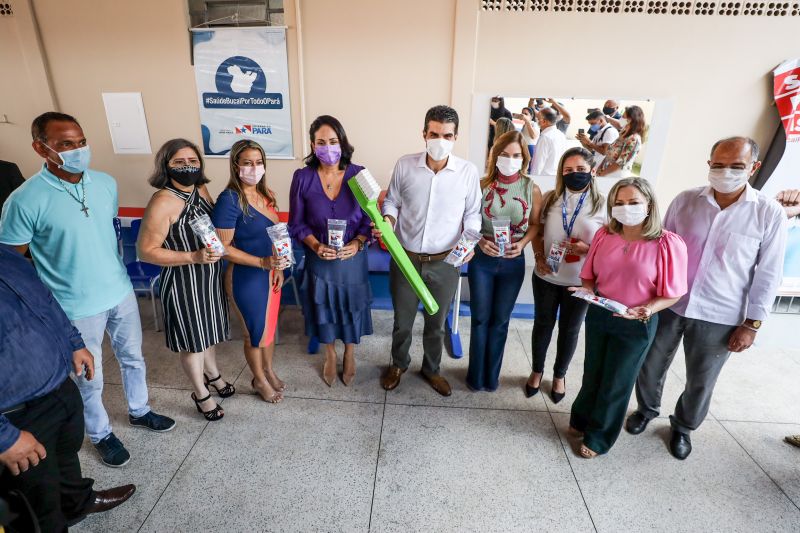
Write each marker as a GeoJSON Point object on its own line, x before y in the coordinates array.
{"type": "Point", "coordinates": [532, 391]}
{"type": "Point", "coordinates": [224, 392]}
{"type": "Point", "coordinates": [212, 415]}
{"type": "Point", "coordinates": [558, 396]}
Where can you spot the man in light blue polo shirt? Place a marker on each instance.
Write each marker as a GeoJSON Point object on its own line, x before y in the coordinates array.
{"type": "Point", "coordinates": [64, 215]}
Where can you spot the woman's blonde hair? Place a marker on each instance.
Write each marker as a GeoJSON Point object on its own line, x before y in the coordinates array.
{"type": "Point", "coordinates": [502, 126]}
{"type": "Point", "coordinates": [651, 229]}
{"type": "Point", "coordinates": [552, 196]}
{"type": "Point", "coordinates": [499, 145]}
{"type": "Point", "coordinates": [235, 184]}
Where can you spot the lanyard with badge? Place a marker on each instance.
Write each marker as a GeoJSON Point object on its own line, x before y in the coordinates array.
{"type": "Point", "coordinates": [558, 250]}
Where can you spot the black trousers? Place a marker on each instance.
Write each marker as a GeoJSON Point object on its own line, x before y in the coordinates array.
{"type": "Point", "coordinates": [55, 488]}
{"type": "Point", "coordinates": [551, 300]}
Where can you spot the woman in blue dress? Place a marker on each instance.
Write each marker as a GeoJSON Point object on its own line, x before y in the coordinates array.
{"type": "Point", "coordinates": [242, 214]}
{"type": "Point", "coordinates": [336, 282]}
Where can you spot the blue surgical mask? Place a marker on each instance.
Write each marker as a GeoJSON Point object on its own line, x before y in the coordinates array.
{"type": "Point", "coordinates": [74, 161]}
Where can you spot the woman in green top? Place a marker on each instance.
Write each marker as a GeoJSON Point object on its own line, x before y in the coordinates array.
{"type": "Point", "coordinates": [498, 268]}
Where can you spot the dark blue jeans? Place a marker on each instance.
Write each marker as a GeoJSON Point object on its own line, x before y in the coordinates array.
{"type": "Point", "coordinates": [494, 284]}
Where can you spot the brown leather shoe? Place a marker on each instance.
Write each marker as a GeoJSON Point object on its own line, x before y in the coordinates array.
{"type": "Point", "coordinates": [391, 379]}
{"type": "Point", "coordinates": [439, 384]}
{"type": "Point", "coordinates": [106, 500]}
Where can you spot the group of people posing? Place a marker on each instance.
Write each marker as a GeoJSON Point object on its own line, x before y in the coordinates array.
{"type": "Point", "coordinates": [707, 273]}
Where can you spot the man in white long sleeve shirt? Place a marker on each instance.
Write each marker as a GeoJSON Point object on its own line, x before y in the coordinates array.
{"type": "Point", "coordinates": [433, 196]}
{"type": "Point", "coordinates": [551, 146]}
{"type": "Point", "coordinates": [736, 238]}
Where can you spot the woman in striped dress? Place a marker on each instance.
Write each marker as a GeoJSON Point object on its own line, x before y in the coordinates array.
{"type": "Point", "coordinates": [192, 296]}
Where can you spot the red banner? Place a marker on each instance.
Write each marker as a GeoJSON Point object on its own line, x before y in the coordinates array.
{"type": "Point", "coordinates": [787, 97]}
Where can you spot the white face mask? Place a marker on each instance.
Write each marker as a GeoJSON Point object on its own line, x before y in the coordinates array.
{"type": "Point", "coordinates": [622, 123]}
{"type": "Point", "coordinates": [727, 180]}
{"type": "Point", "coordinates": [629, 215]}
{"type": "Point", "coordinates": [495, 105]}
{"type": "Point", "coordinates": [508, 166]}
{"type": "Point", "coordinates": [439, 149]}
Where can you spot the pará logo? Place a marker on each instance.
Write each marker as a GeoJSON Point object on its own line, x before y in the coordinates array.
{"type": "Point", "coordinates": [252, 129]}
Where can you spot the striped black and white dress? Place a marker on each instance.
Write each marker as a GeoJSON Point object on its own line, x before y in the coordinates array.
{"type": "Point", "coordinates": [195, 307]}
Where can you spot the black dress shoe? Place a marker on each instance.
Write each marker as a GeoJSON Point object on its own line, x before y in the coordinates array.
{"type": "Point", "coordinates": [106, 500]}
{"type": "Point", "coordinates": [531, 391]}
{"type": "Point", "coordinates": [680, 445]}
{"type": "Point", "coordinates": [636, 423]}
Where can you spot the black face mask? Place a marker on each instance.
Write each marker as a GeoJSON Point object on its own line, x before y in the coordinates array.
{"type": "Point", "coordinates": [577, 181]}
{"type": "Point", "coordinates": [609, 110]}
{"type": "Point", "coordinates": [186, 176]}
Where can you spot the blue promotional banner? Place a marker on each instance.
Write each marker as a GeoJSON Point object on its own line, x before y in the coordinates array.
{"type": "Point", "coordinates": [243, 89]}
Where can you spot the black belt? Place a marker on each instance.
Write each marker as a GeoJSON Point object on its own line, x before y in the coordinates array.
{"type": "Point", "coordinates": [428, 258]}
{"type": "Point", "coordinates": [14, 409]}
{"type": "Point", "coordinates": [30, 403]}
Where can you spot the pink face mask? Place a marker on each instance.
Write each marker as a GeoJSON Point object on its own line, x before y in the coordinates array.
{"type": "Point", "coordinates": [251, 175]}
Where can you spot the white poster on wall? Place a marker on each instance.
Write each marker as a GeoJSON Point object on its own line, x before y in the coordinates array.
{"type": "Point", "coordinates": [127, 123]}
{"type": "Point", "coordinates": [243, 89]}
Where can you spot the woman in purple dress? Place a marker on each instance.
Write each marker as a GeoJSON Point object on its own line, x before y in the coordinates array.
{"type": "Point", "coordinates": [326, 217]}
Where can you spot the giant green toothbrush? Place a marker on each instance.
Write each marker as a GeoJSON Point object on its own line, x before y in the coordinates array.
{"type": "Point", "coordinates": [366, 190]}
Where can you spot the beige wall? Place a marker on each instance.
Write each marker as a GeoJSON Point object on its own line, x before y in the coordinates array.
{"type": "Point", "coordinates": [25, 88]}
{"type": "Point", "coordinates": [379, 64]}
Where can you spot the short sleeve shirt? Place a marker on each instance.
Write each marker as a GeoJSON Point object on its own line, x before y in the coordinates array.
{"type": "Point", "coordinates": [76, 256]}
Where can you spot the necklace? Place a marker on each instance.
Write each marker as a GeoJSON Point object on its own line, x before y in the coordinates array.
{"type": "Point", "coordinates": [81, 200]}
{"type": "Point", "coordinates": [329, 184]}
{"type": "Point", "coordinates": [257, 200]}
{"type": "Point", "coordinates": [627, 247]}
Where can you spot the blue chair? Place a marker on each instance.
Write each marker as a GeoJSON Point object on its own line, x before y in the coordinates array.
{"type": "Point", "coordinates": [295, 277]}
{"type": "Point", "coordinates": [144, 276]}
{"type": "Point", "coordinates": [452, 337]}
{"type": "Point", "coordinates": [290, 276]}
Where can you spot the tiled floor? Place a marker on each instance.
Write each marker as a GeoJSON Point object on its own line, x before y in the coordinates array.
{"type": "Point", "coordinates": [360, 459]}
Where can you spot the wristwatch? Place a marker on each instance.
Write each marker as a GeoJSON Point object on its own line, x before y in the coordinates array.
{"type": "Point", "coordinates": [754, 325]}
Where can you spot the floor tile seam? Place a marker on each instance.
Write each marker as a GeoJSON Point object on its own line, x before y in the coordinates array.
{"type": "Point", "coordinates": [166, 487]}
{"type": "Point", "coordinates": [464, 407]}
{"type": "Point", "coordinates": [569, 463]}
{"type": "Point", "coordinates": [722, 420]}
{"type": "Point", "coordinates": [369, 402]}
{"type": "Point", "coordinates": [172, 478]}
{"type": "Point", "coordinates": [745, 450]}
{"type": "Point", "coordinates": [377, 462]}
{"type": "Point", "coordinates": [524, 349]}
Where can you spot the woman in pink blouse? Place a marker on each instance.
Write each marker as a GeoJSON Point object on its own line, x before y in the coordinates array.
{"type": "Point", "coordinates": [635, 262]}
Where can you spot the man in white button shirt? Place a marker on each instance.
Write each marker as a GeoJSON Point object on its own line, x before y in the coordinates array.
{"type": "Point", "coordinates": [552, 144]}
{"type": "Point", "coordinates": [736, 237]}
{"type": "Point", "coordinates": [433, 196]}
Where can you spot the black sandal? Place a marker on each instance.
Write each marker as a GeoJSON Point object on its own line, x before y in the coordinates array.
{"type": "Point", "coordinates": [224, 392]}
{"type": "Point", "coordinates": [212, 415]}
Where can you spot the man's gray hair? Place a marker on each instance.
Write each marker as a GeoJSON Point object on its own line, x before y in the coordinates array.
{"type": "Point", "coordinates": [754, 151]}
{"type": "Point", "coordinates": [550, 115]}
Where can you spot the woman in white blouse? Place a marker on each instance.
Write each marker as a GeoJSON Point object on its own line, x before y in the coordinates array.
{"type": "Point", "coordinates": [571, 215]}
